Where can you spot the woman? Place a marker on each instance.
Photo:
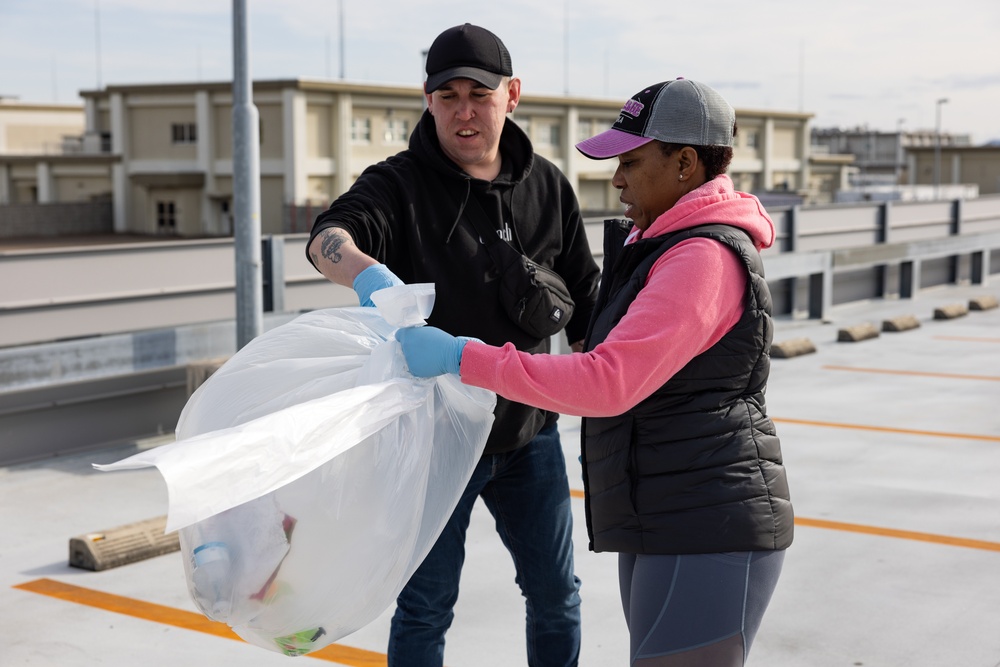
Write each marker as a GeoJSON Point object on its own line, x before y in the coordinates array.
{"type": "Point", "coordinates": [682, 467]}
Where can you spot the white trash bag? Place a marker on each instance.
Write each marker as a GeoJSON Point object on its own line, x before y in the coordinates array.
{"type": "Point", "coordinates": [312, 473]}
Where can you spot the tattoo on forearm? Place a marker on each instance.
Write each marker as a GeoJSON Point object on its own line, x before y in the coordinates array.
{"type": "Point", "coordinates": [330, 245]}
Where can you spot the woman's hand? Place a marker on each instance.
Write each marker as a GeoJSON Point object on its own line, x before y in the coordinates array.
{"type": "Point", "coordinates": [429, 351]}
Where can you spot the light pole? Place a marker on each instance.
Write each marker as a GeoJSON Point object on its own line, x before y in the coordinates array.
{"type": "Point", "coordinates": [937, 149]}
{"type": "Point", "coordinates": [899, 151]}
{"type": "Point", "coordinates": [246, 186]}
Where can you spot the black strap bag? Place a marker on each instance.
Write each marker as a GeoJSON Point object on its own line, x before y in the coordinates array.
{"type": "Point", "coordinates": [535, 298]}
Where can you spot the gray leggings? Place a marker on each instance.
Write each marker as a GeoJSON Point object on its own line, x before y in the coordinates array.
{"type": "Point", "coordinates": [699, 610]}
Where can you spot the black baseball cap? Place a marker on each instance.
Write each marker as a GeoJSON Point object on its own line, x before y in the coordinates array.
{"type": "Point", "coordinates": [467, 52]}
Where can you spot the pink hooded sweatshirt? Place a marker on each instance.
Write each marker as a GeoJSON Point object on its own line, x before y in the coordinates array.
{"type": "Point", "coordinates": [693, 295]}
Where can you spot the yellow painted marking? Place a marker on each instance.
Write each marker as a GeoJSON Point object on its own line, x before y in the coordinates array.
{"type": "Point", "coordinates": [886, 429]}
{"type": "Point", "coordinates": [157, 613]}
{"type": "Point", "coordinates": [888, 371]}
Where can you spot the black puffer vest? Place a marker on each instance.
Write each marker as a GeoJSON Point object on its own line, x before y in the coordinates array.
{"type": "Point", "coordinates": [696, 467]}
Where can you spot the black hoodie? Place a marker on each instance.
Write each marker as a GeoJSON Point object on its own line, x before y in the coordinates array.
{"type": "Point", "coordinates": [409, 212]}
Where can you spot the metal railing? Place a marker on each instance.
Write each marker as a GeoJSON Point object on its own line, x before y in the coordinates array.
{"type": "Point", "coordinates": [822, 256]}
{"type": "Point", "coordinates": [96, 341]}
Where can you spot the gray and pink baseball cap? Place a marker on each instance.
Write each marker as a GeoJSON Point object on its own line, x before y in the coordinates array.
{"type": "Point", "coordinates": [680, 111]}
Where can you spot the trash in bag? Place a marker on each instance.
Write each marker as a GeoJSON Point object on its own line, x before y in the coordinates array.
{"type": "Point", "coordinates": [312, 473]}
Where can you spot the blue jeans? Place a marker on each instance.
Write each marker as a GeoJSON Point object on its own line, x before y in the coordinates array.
{"type": "Point", "coordinates": [527, 493]}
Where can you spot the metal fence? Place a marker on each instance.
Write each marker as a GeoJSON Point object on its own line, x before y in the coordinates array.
{"type": "Point", "coordinates": [823, 256]}
{"type": "Point", "coordinates": [97, 342]}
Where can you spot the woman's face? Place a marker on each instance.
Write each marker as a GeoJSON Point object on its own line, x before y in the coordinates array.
{"type": "Point", "coordinates": [650, 182]}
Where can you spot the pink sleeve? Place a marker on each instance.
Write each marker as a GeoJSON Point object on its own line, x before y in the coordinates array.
{"type": "Point", "coordinates": [694, 294]}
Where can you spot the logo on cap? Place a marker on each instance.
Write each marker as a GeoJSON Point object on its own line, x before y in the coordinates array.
{"type": "Point", "coordinates": [633, 108]}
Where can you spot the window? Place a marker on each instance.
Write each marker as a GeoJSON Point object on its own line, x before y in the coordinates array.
{"type": "Point", "coordinates": [549, 134]}
{"type": "Point", "coordinates": [591, 128]}
{"type": "Point", "coordinates": [751, 139]}
{"type": "Point", "coordinates": [166, 215]}
{"type": "Point", "coordinates": [184, 133]}
{"type": "Point", "coordinates": [397, 130]}
{"type": "Point", "coordinates": [523, 123]}
{"type": "Point", "coordinates": [361, 130]}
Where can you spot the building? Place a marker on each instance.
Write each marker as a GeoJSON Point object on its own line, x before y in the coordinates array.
{"type": "Point", "coordinates": [879, 157]}
{"type": "Point", "coordinates": [829, 174]}
{"type": "Point", "coordinates": [33, 129]}
{"type": "Point", "coordinates": [42, 157]}
{"type": "Point", "coordinates": [168, 148]}
{"type": "Point", "coordinates": [956, 165]}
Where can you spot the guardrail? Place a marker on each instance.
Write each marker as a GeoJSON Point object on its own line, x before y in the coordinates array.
{"type": "Point", "coordinates": [63, 293]}
{"type": "Point", "coordinates": [822, 256]}
{"type": "Point", "coordinates": [95, 341]}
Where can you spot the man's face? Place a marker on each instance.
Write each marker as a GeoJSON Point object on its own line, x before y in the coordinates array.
{"type": "Point", "coordinates": [469, 118]}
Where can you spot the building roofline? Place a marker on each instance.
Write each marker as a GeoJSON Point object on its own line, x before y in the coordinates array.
{"type": "Point", "coordinates": [11, 103]}
{"type": "Point", "coordinates": [981, 148]}
{"type": "Point", "coordinates": [98, 158]}
{"type": "Point", "coordinates": [336, 85]}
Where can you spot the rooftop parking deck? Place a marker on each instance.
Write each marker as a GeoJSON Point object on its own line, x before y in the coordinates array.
{"type": "Point", "coordinates": [892, 446]}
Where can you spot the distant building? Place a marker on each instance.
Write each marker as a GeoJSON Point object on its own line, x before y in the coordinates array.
{"type": "Point", "coordinates": [168, 149]}
{"type": "Point", "coordinates": [829, 174]}
{"type": "Point", "coordinates": [42, 158]}
{"type": "Point", "coordinates": [879, 157]}
{"type": "Point", "coordinates": [33, 129]}
{"type": "Point", "coordinates": [957, 165]}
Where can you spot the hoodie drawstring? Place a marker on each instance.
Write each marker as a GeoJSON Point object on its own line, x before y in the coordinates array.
{"type": "Point", "coordinates": [461, 210]}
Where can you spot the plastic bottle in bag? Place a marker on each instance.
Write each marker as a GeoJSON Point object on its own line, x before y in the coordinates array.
{"type": "Point", "coordinates": [299, 643]}
{"type": "Point", "coordinates": [212, 579]}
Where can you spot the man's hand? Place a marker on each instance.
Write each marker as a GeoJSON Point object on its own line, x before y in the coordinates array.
{"type": "Point", "coordinates": [371, 280]}
{"type": "Point", "coordinates": [430, 352]}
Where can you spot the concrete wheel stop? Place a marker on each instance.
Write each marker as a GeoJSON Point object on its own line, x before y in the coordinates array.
{"type": "Point", "coordinates": [794, 347]}
{"type": "Point", "coordinates": [857, 332]}
{"type": "Point", "coordinates": [901, 323]}
{"type": "Point", "coordinates": [126, 544]}
{"type": "Point", "coordinates": [951, 311]}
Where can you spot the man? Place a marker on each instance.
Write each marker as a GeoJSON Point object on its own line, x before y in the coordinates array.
{"type": "Point", "coordinates": [409, 219]}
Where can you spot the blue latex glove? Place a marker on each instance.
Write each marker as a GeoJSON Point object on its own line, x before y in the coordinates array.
{"type": "Point", "coordinates": [430, 352]}
{"type": "Point", "coordinates": [371, 280]}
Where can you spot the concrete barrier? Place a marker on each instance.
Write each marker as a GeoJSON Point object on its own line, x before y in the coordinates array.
{"type": "Point", "coordinates": [792, 348]}
{"type": "Point", "coordinates": [126, 544]}
{"type": "Point", "coordinates": [857, 333]}
{"type": "Point", "coordinates": [901, 323]}
{"type": "Point", "coordinates": [985, 302]}
{"type": "Point", "coordinates": [951, 311]}
{"type": "Point", "coordinates": [198, 372]}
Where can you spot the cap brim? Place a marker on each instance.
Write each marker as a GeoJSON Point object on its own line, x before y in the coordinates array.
{"type": "Point", "coordinates": [611, 143]}
{"type": "Point", "coordinates": [489, 79]}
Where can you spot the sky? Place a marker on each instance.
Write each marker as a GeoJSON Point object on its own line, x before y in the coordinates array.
{"type": "Point", "coordinates": [880, 64]}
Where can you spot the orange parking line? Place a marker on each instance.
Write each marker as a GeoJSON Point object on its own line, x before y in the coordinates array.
{"type": "Point", "coordinates": [901, 534]}
{"type": "Point", "coordinates": [969, 339]}
{"type": "Point", "coordinates": [882, 532]}
{"type": "Point", "coordinates": [886, 429]}
{"type": "Point", "coordinates": [917, 373]}
{"type": "Point", "coordinates": [157, 613]}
